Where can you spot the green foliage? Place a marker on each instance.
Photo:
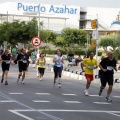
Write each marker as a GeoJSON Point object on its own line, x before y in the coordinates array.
{"type": "Point", "coordinates": [74, 36]}
{"type": "Point", "coordinates": [112, 40]}
{"type": "Point", "coordinates": [18, 31]}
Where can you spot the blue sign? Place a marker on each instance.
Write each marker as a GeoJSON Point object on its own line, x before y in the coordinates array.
{"type": "Point", "coordinates": [51, 9]}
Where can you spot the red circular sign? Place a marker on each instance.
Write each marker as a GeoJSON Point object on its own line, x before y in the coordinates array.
{"type": "Point", "coordinates": [36, 41]}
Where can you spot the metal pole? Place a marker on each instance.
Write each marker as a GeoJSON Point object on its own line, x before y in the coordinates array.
{"type": "Point", "coordinates": [39, 21]}
{"type": "Point", "coordinates": [97, 45]}
{"type": "Point", "coordinates": [7, 16]}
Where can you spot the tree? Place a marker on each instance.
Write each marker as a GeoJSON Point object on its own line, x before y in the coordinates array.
{"type": "Point", "coordinates": [111, 40]}
{"type": "Point", "coordinates": [73, 38]}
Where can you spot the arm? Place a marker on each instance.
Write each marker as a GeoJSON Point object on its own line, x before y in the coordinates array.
{"type": "Point", "coordinates": [82, 67]}
{"type": "Point", "coordinates": [104, 70]}
{"type": "Point", "coordinates": [44, 61]}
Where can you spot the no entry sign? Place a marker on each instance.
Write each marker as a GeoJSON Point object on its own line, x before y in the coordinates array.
{"type": "Point", "coordinates": [36, 41]}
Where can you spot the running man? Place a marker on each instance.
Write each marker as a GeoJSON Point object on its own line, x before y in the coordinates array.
{"type": "Point", "coordinates": [41, 65]}
{"type": "Point", "coordinates": [107, 65]}
{"type": "Point", "coordinates": [58, 66]}
{"type": "Point", "coordinates": [90, 64]}
{"type": "Point", "coordinates": [22, 59]}
{"type": "Point", "coordinates": [5, 66]}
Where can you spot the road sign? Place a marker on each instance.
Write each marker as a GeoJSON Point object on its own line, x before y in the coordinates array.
{"type": "Point", "coordinates": [94, 24]}
{"type": "Point", "coordinates": [94, 35]}
{"type": "Point", "coordinates": [93, 43]}
{"type": "Point", "coordinates": [36, 41]}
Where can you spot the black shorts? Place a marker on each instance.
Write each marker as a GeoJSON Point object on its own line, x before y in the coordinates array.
{"type": "Point", "coordinates": [5, 67]}
{"type": "Point", "coordinates": [22, 67]}
{"type": "Point", "coordinates": [41, 70]}
{"type": "Point", "coordinates": [106, 79]}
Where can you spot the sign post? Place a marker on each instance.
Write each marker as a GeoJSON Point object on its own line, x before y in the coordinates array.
{"type": "Point", "coordinates": [36, 41]}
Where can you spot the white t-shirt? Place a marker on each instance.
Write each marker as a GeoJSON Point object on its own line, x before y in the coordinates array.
{"type": "Point", "coordinates": [38, 55]}
{"type": "Point", "coordinates": [58, 62]}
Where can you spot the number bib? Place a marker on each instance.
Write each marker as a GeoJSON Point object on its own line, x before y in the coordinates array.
{"type": "Point", "coordinates": [109, 68]}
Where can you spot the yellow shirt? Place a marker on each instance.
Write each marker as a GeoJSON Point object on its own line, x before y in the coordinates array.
{"type": "Point", "coordinates": [89, 64]}
{"type": "Point", "coordinates": [41, 64]}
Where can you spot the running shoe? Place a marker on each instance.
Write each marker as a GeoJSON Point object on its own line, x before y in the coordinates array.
{"type": "Point", "coordinates": [22, 82]}
{"type": "Point", "coordinates": [100, 93]}
{"type": "Point", "coordinates": [2, 80]}
{"type": "Point", "coordinates": [108, 99]}
{"type": "Point", "coordinates": [86, 93]}
{"type": "Point", "coordinates": [40, 79]}
{"type": "Point", "coordinates": [6, 83]}
{"type": "Point", "coordinates": [59, 85]}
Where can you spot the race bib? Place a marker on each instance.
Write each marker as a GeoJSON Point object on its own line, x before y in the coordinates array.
{"type": "Point", "coordinates": [91, 67]}
{"type": "Point", "coordinates": [41, 64]}
{"type": "Point", "coordinates": [7, 62]}
{"type": "Point", "coordinates": [109, 68]}
{"type": "Point", "coordinates": [24, 61]}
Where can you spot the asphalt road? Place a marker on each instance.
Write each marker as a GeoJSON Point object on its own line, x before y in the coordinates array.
{"type": "Point", "coordinates": [40, 100]}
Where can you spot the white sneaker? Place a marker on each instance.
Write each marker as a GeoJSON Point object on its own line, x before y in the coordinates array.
{"type": "Point", "coordinates": [86, 93]}
{"type": "Point", "coordinates": [40, 79]}
{"type": "Point", "coordinates": [22, 82]}
{"type": "Point", "coordinates": [59, 85]}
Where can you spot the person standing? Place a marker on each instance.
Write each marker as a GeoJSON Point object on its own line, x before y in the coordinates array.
{"type": "Point", "coordinates": [58, 66]}
{"type": "Point", "coordinates": [14, 52]}
{"type": "Point", "coordinates": [41, 65]}
{"type": "Point", "coordinates": [22, 59]}
{"type": "Point", "coordinates": [107, 65]}
{"type": "Point", "coordinates": [90, 64]}
{"type": "Point", "coordinates": [5, 66]}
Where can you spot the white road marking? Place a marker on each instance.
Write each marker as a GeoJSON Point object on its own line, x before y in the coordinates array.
{"type": "Point", "coordinates": [71, 101]}
{"type": "Point", "coordinates": [42, 101]}
{"type": "Point", "coordinates": [95, 96]}
{"type": "Point", "coordinates": [21, 115]}
{"type": "Point", "coordinates": [7, 101]}
{"type": "Point", "coordinates": [60, 110]}
{"type": "Point", "coordinates": [101, 103]}
{"type": "Point", "coordinates": [43, 93]}
{"type": "Point", "coordinates": [16, 93]}
{"type": "Point", "coordinates": [116, 96]}
{"type": "Point", "coordinates": [69, 94]}
{"type": "Point", "coordinates": [64, 110]}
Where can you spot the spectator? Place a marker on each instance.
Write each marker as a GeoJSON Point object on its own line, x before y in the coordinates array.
{"type": "Point", "coordinates": [70, 57]}
{"type": "Point", "coordinates": [77, 60]}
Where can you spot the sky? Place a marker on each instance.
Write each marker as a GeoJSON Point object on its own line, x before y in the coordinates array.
{"type": "Point", "coordinates": [81, 3]}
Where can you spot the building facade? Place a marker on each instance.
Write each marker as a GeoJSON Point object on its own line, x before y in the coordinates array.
{"type": "Point", "coordinates": [57, 17]}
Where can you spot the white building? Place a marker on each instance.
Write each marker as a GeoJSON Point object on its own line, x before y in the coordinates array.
{"type": "Point", "coordinates": [54, 17]}
{"type": "Point", "coordinates": [57, 17]}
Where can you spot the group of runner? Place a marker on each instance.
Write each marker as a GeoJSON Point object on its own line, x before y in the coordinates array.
{"type": "Point", "coordinates": [107, 67]}
{"type": "Point", "coordinates": [23, 59]}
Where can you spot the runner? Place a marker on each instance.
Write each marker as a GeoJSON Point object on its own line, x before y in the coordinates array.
{"type": "Point", "coordinates": [90, 64]}
{"type": "Point", "coordinates": [5, 66]}
{"type": "Point", "coordinates": [58, 66]}
{"type": "Point", "coordinates": [107, 65]}
{"type": "Point", "coordinates": [22, 59]}
{"type": "Point", "coordinates": [41, 65]}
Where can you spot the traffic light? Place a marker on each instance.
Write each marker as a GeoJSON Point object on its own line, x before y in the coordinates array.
{"type": "Point", "coordinates": [94, 24]}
